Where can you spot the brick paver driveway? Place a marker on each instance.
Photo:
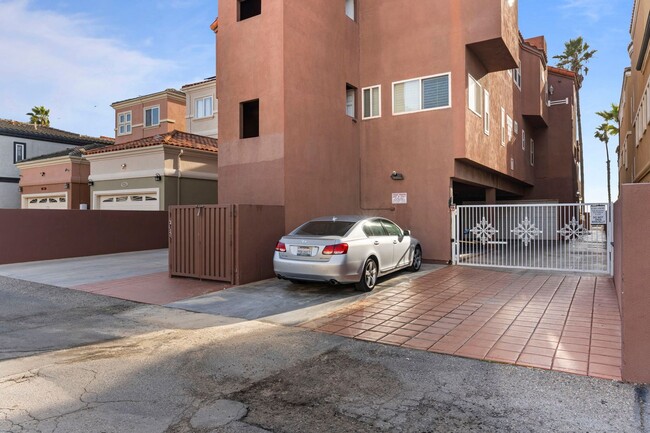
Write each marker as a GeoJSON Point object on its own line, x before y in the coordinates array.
{"type": "Point", "coordinates": [568, 323]}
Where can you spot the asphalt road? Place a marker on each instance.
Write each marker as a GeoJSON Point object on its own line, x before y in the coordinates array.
{"type": "Point", "coordinates": [156, 369]}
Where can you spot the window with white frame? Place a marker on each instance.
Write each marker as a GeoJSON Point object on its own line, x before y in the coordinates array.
{"type": "Point", "coordinates": [20, 152]}
{"type": "Point", "coordinates": [152, 116]}
{"type": "Point", "coordinates": [503, 126]}
{"type": "Point", "coordinates": [523, 139]}
{"type": "Point", "coordinates": [474, 96]}
{"type": "Point", "coordinates": [516, 128]}
{"type": "Point", "coordinates": [349, 8]}
{"type": "Point", "coordinates": [422, 94]}
{"type": "Point", "coordinates": [203, 107]}
{"type": "Point", "coordinates": [516, 76]}
{"type": "Point", "coordinates": [124, 123]}
{"type": "Point", "coordinates": [625, 153]}
{"type": "Point", "coordinates": [532, 152]}
{"type": "Point", "coordinates": [350, 94]}
{"type": "Point", "coordinates": [486, 112]}
{"type": "Point", "coordinates": [509, 128]}
{"type": "Point", "coordinates": [371, 102]}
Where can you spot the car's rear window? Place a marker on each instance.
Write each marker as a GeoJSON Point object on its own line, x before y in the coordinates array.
{"type": "Point", "coordinates": [324, 228]}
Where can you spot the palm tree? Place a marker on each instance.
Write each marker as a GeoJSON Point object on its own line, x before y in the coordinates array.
{"type": "Point", "coordinates": [574, 58]}
{"type": "Point", "coordinates": [608, 128]}
{"type": "Point", "coordinates": [603, 132]}
{"type": "Point", "coordinates": [39, 116]}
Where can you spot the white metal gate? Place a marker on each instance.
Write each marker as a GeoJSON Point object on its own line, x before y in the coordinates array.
{"type": "Point", "coordinates": [561, 237]}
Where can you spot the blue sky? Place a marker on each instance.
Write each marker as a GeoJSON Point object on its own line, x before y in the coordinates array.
{"type": "Point", "coordinates": [77, 57]}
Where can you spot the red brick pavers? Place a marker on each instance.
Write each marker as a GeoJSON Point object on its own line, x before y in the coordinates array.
{"type": "Point", "coordinates": [157, 289]}
{"type": "Point", "coordinates": [556, 322]}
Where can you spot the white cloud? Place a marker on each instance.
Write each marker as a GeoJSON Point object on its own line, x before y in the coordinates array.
{"type": "Point", "coordinates": [60, 61]}
{"type": "Point", "coordinates": [594, 10]}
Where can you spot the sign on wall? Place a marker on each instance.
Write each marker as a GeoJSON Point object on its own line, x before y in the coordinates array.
{"type": "Point", "coordinates": [400, 198]}
{"type": "Point", "coordinates": [598, 214]}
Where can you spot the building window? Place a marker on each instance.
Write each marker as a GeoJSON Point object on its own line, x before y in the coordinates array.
{"type": "Point", "coordinates": [516, 76]}
{"type": "Point", "coordinates": [203, 107]}
{"type": "Point", "coordinates": [532, 152]}
{"type": "Point", "coordinates": [249, 9]}
{"type": "Point", "coordinates": [152, 116]}
{"type": "Point", "coordinates": [474, 96]}
{"type": "Point", "coordinates": [350, 96]}
{"type": "Point", "coordinates": [371, 102]}
{"type": "Point", "coordinates": [349, 8]}
{"type": "Point", "coordinates": [486, 112]}
{"type": "Point", "coordinates": [422, 94]}
{"type": "Point", "coordinates": [503, 126]}
{"type": "Point", "coordinates": [509, 128]}
{"type": "Point", "coordinates": [124, 123]}
{"type": "Point", "coordinates": [20, 152]}
{"type": "Point", "coordinates": [523, 139]}
{"type": "Point", "coordinates": [250, 119]}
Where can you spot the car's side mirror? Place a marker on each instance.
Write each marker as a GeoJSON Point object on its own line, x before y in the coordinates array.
{"type": "Point", "coordinates": [407, 232]}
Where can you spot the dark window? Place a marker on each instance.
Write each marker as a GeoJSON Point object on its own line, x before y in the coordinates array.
{"type": "Point", "coordinates": [250, 118]}
{"type": "Point", "coordinates": [249, 9]}
{"type": "Point", "coordinates": [391, 228]}
{"type": "Point", "coordinates": [20, 152]}
{"type": "Point", "coordinates": [374, 228]}
{"type": "Point", "coordinates": [324, 228]}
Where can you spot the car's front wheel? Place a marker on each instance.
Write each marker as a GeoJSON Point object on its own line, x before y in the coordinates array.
{"type": "Point", "coordinates": [417, 260]}
{"type": "Point", "coordinates": [368, 276]}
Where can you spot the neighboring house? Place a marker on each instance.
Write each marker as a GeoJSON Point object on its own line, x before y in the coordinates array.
{"type": "Point", "coordinates": [379, 120]}
{"type": "Point", "coordinates": [634, 105]}
{"type": "Point", "coordinates": [155, 172]}
{"type": "Point", "coordinates": [149, 115]}
{"type": "Point", "coordinates": [20, 141]}
{"type": "Point", "coordinates": [57, 180]}
{"type": "Point", "coordinates": [202, 107]}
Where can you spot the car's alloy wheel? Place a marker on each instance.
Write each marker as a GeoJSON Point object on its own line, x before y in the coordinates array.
{"type": "Point", "coordinates": [368, 276]}
{"type": "Point", "coordinates": [417, 260]}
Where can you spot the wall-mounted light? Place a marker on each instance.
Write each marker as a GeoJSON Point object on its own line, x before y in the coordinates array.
{"type": "Point", "coordinates": [20, 189]}
{"type": "Point", "coordinates": [91, 183]}
{"type": "Point", "coordinates": [66, 186]}
{"type": "Point", "coordinates": [157, 177]}
{"type": "Point", "coordinates": [123, 166]}
{"type": "Point", "coordinates": [396, 176]}
{"type": "Point", "coordinates": [66, 170]}
{"type": "Point", "coordinates": [551, 89]}
{"type": "Point", "coordinates": [42, 173]}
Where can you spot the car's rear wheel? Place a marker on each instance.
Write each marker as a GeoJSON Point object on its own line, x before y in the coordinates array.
{"type": "Point", "coordinates": [417, 260]}
{"type": "Point", "coordinates": [368, 276]}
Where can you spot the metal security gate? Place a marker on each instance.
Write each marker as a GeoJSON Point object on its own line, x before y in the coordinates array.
{"type": "Point", "coordinates": [201, 242]}
{"type": "Point", "coordinates": [561, 237]}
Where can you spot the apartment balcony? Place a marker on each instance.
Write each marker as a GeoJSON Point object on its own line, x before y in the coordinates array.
{"type": "Point", "coordinates": [492, 32]}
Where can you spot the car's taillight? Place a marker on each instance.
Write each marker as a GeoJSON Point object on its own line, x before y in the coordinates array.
{"type": "Point", "coordinates": [335, 250]}
{"type": "Point", "coordinates": [281, 247]}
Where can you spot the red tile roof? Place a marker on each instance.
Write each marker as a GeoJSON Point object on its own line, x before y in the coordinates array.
{"type": "Point", "coordinates": [174, 138]}
{"type": "Point", "coordinates": [560, 71]}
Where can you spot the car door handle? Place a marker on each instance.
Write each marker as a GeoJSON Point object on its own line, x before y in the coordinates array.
{"type": "Point", "coordinates": [376, 242]}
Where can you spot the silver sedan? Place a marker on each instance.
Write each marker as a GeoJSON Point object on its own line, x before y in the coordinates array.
{"type": "Point", "coordinates": [346, 249]}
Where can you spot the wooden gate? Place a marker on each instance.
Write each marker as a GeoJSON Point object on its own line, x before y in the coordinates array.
{"type": "Point", "coordinates": [201, 242]}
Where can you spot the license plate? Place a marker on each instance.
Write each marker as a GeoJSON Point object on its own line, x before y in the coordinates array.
{"type": "Point", "coordinates": [304, 251]}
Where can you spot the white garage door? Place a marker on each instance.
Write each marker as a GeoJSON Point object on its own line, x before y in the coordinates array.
{"type": "Point", "coordinates": [50, 202]}
{"type": "Point", "coordinates": [128, 201]}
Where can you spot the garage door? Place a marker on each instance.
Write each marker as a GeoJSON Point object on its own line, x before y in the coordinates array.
{"type": "Point", "coordinates": [148, 201]}
{"type": "Point", "coordinates": [50, 202]}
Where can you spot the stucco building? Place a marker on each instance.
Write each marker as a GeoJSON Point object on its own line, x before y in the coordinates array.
{"type": "Point", "coordinates": [634, 105]}
{"type": "Point", "coordinates": [202, 107]}
{"type": "Point", "coordinates": [149, 115]}
{"type": "Point", "coordinates": [395, 108]}
{"type": "Point", "coordinates": [20, 141]}
{"type": "Point", "coordinates": [153, 173]}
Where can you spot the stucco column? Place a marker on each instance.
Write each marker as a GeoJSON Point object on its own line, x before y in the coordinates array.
{"type": "Point", "coordinates": [635, 290]}
{"type": "Point", "coordinates": [490, 196]}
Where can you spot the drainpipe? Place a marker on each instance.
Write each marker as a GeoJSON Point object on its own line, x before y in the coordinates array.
{"type": "Point", "coordinates": [178, 179]}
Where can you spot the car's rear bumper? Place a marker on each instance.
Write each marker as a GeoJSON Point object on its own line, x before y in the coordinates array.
{"type": "Point", "coordinates": [338, 269]}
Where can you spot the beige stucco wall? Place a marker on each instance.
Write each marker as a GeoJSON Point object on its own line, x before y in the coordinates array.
{"type": "Point", "coordinates": [206, 126]}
